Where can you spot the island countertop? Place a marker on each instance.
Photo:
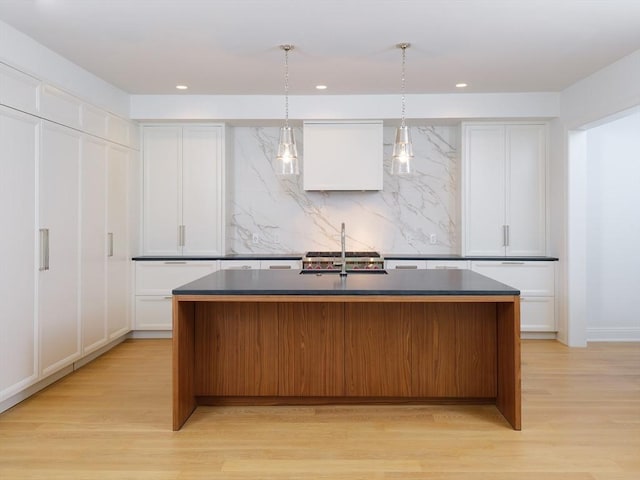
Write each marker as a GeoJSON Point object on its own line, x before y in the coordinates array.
{"type": "Point", "coordinates": [394, 283]}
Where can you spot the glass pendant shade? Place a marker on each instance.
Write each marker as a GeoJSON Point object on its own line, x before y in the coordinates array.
{"type": "Point", "coordinates": [402, 152]}
{"type": "Point", "coordinates": [287, 157]}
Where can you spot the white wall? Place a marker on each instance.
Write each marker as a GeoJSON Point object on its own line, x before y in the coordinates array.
{"type": "Point", "coordinates": [24, 53]}
{"type": "Point", "coordinates": [613, 230]}
{"type": "Point", "coordinates": [593, 100]}
{"type": "Point", "coordinates": [337, 107]}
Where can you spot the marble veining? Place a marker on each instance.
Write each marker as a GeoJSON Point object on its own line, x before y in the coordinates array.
{"type": "Point", "coordinates": [271, 214]}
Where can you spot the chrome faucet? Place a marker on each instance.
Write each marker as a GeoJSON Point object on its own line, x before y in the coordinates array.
{"type": "Point", "coordinates": [343, 254]}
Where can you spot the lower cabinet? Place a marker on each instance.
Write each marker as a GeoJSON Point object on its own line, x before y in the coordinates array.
{"type": "Point", "coordinates": [153, 285]}
{"type": "Point", "coordinates": [536, 282]}
{"type": "Point", "coordinates": [335, 349]}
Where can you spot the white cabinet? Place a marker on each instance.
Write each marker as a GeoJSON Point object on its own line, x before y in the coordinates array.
{"type": "Point", "coordinates": [93, 241]}
{"type": "Point", "coordinates": [60, 107]}
{"type": "Point", "coordinates": [536, 282]}
{"type": "Point", "coordinates": [117, 234]}
{"type": "Point", "coordinates": [19, 90]}
{"type": "Point", "coordinates": [342, 156]}
{"type": "Point", "coordinates": [280, 264]}
{"type": "Point", "coordinates": [94, 120]}
{"type": "Point", "coordinates": [405, 264]}
{"type": "Point", "coordinates": [154, 282]}
{"type": "Point", "coordinates": [448, 264]}
{"type": "Point", "coordinates": [19, 135]}
{"type": "Point", "coordinates": [58, 289]}
{"type": "Point", "coordinates": [239, 264]}
{"type": "Point", "coordinates": [504, 189]}
{"type": "Point", "coordinates": [183, 181]}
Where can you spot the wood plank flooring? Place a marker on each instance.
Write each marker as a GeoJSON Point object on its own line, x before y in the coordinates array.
{"type": "Point", "coordinates": [112, 420]}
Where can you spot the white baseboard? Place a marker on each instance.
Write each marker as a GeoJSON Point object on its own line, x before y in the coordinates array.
{"type": "Point", "coordinates": [15, 399]}
{"type": "Point", "coordinates": [613, 334]}
{"type": "Point", "coordinates": [151, 334]}
{"type": "Point", "coordinates": [538, 335]}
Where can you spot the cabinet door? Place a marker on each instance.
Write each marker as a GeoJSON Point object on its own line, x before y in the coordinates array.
{"type": "Point", "coordinates": [484, 178]}
{"type": "Point", "coordinates": [59, 214]}
{"type": "Point", "coordinates": [93, 244]}
{"type": "Point", "coordinates": [19, 90]}
{"type": "Point", "coordinates": [162, 177]}
{"type": "Point", "coordinates": [118, 259]}
{"type": "Point", "coordinates": [19, 136]}
{"type": "Point", "coordinates": [202, 190]}
{"type": "Point", "coordinates": [153, 312]}
{"type": "Point", "coordinates": [526, 174]}
{"type": "Point", "coordinates": [378, 350]}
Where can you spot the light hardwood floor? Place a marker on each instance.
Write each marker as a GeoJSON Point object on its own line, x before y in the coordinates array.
{"type": "Point", "coordinates": [112, 420]}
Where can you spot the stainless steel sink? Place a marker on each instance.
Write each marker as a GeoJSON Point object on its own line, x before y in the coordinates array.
{"type": "Point", "coordinates": [337, 272]}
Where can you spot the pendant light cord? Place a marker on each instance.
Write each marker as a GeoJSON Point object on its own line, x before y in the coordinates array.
{"type": "Point", "coordinates": [403, 46]}
{"type": "Point", "coordinates": [286, 49]}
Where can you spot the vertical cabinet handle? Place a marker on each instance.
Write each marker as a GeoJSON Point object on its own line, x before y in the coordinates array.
{"type": "Point", "coordinates": [110, 244]}
{"type": "Point", "coordinates": [505, 235]}
{"type": "Point", "coordinates": [181, 235]}
{"type": "Point", "coordinates": [508, 239]}
{"type": "Point", "coordinates": [44, 249]}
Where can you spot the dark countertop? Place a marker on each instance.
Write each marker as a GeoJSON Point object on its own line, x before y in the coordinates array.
{"type": "Point", "coordinates": [298, 256]}
{"type": "Point", "coordinates": [395, 282]}
{"type": "Point", "coordinates": [230, 256]}
{"type": "Point", "coordinates": [420, 256]}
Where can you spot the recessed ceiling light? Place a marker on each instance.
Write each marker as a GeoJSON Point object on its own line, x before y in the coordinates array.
{"type": "Point", "coordinates": [182, 87]}
{"type": "Point", "coordinates": [461, 85]}
{"type": "Point", "coordinates": [321, 87]}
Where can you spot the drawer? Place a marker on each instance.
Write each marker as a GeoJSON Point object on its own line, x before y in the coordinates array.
{"type": "Point", "coordinates": [239, 264]}
{"type": "Point", "coordinates": [159, 278]}
{"type": "Point", "coordinates": [537, 314]}
{"type": "Point", "coordinates": [153, 312]}
{"type": "Point", "coordinates": [281, 264]}
{"type": "Point", "coordinates": [448, 264]}
{"type": "Point", "coordinates": [405, 264]}
{"type": "Point", "coordinates": [531, 278]}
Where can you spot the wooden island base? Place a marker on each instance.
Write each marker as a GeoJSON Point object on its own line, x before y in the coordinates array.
{"type": "Point", "coordinates": [232, 349]}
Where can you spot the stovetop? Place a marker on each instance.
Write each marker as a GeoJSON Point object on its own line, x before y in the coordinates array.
{"type": "Point", "coordinates": [339, 254]}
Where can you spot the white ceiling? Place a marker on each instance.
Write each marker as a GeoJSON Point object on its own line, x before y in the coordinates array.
{"type": "Point", "coordinates": [231, 46]}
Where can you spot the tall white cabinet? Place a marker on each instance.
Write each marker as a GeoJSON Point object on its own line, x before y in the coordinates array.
{"type": "Point", "coordinates": [118, 254]}
{"type": "Point", "coordinates": [93, 306]}
{"type": "Point", "coordinates": [183, 181]}
{"type": "Point", "coordinates": [504, 189]}
{"type": "Point", "coordinates": [19, 135]}
{"type": "Point", "coordinates": [64, 193]}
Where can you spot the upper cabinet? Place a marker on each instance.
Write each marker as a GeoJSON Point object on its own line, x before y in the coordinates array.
{"type": "Point", "coordinates": [342, 156]}
{"type": "Point", "coordinates": [183, 189]}
{"type": "Point", "coordinates": [504, 189]}
{"type": "Point", "coordinates": [61, 107]}
{"type": "Point", "coordinates": [19, 90]}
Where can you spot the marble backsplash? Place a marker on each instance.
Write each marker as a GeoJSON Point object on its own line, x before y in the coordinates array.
{"type": "Point", "coordinates": [271, 214]}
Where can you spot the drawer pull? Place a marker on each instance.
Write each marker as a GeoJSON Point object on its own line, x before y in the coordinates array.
{"type": "Point", "coordinates": [168, 297]}
{"type": "Point", "coordinates": [279, 267]}
{"type": "Point", "coordinates": [406, 267]}
{"type": "Point", "coordinates": [512, 263]}
{"type": "Point", "coordinates": [175, 263]}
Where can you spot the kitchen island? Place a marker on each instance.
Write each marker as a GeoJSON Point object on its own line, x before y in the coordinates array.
{"type": "Point", "coordinates": [280, 337]}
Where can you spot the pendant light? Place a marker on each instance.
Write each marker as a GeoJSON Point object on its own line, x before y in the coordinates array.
{"type": "Point", "coordinates": [402, 148]}
{"type": "Point", "coordinates": [287, 157]}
